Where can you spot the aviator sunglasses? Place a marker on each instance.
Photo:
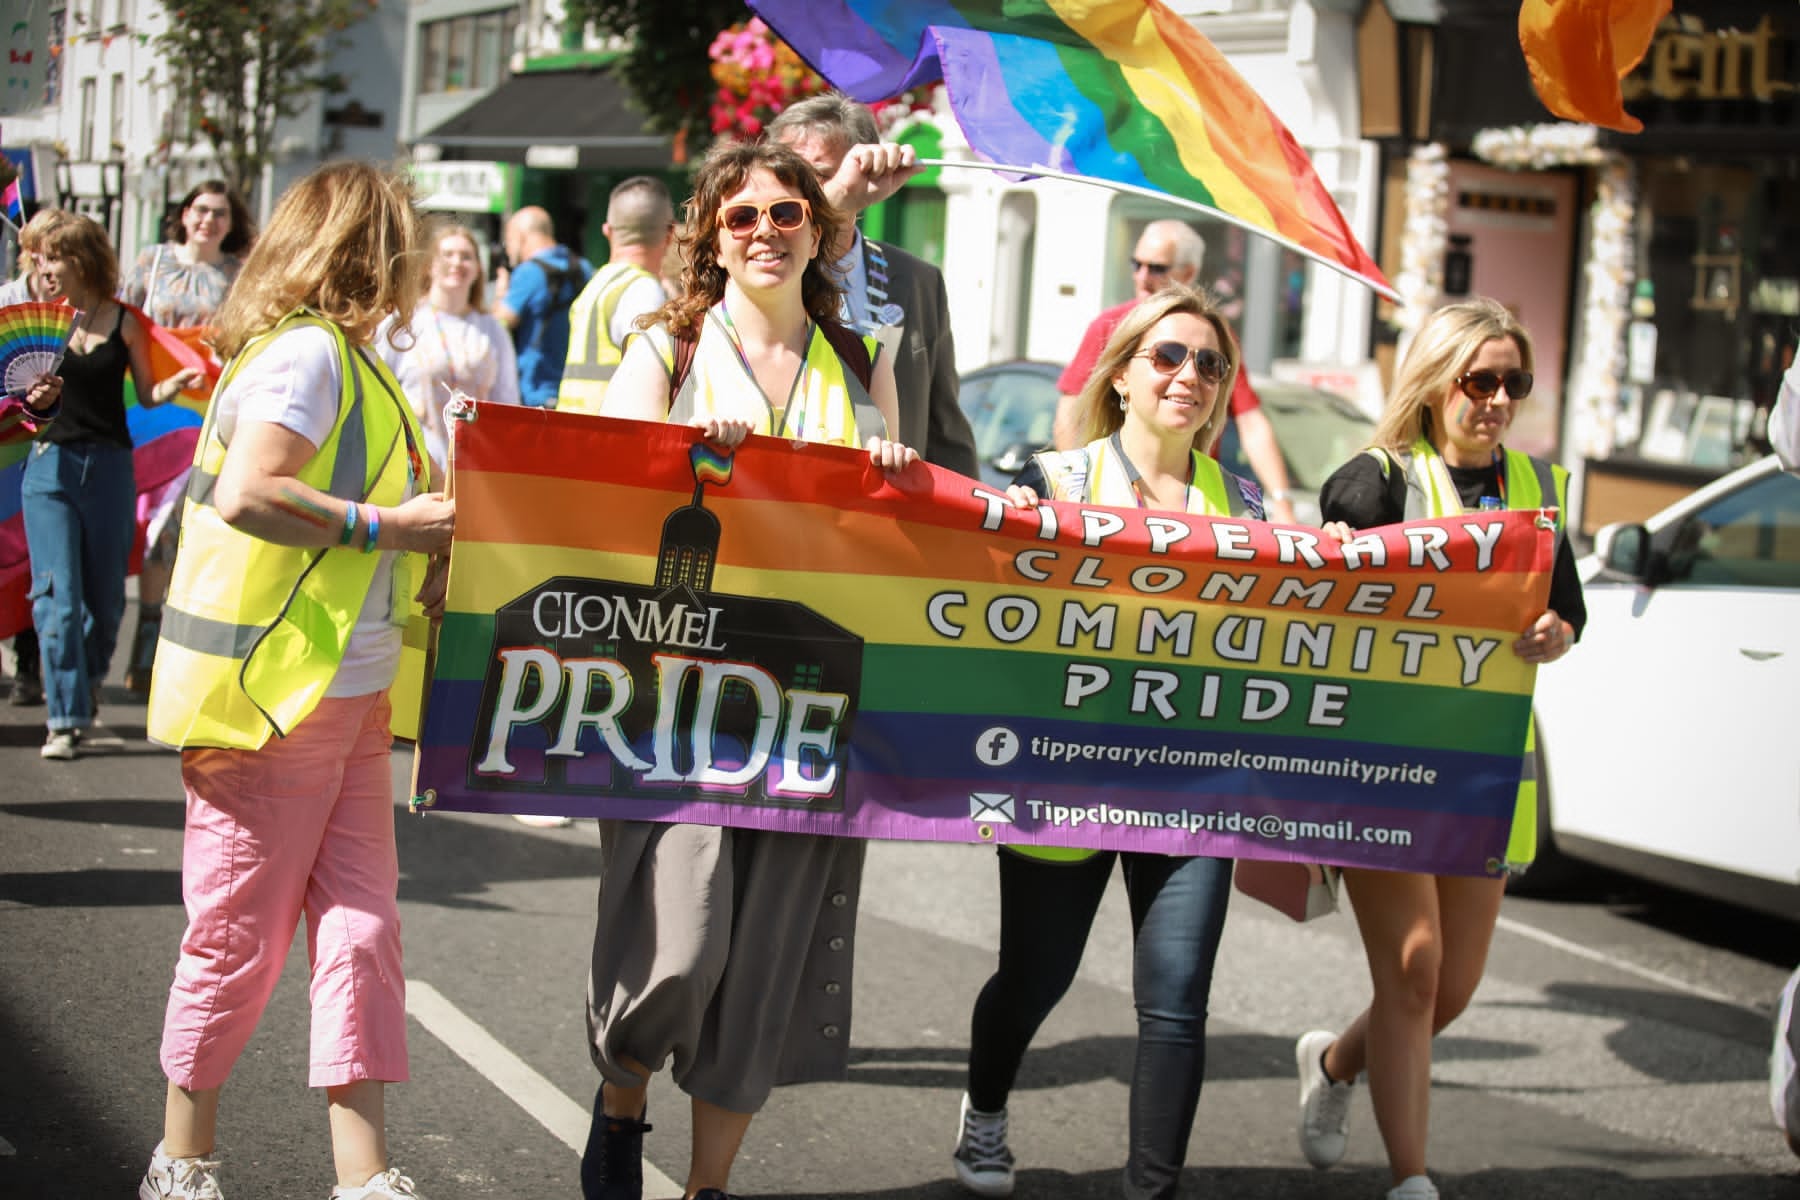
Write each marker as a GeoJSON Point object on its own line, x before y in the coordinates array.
{"type": "Point", "coordinates": [787, 215]}
{"type": "Point", "coordinates": [1481, 385]}
{"type": "Point", "coordinates": [1169, 357]}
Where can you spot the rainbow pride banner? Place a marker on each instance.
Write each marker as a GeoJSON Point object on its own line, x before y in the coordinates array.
{"type": "Point", "coordinates": [783, 639]}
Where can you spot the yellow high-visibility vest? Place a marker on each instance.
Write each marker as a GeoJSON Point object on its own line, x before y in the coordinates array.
{"type": "Point", "coordinates": [593, 355]}
{"type": "Point", "coordinates": [1430, 493]}
{"type": "Point", "coordinates": [253, 632]}
{"type": "Point", "coordinates": [828, 402]}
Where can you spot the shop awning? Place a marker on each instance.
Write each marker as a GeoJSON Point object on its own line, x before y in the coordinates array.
{"type": "Point", "coordinates": [580, 119]}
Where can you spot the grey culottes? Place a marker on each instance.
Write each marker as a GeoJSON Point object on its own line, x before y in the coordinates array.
{"type": "Point", "coordinates": [727, 950]}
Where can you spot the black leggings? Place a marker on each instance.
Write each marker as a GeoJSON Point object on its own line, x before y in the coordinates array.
{"type": "Point", "coordinates": [1177, 914]}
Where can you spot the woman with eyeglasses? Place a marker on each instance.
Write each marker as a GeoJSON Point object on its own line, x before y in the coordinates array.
{"type": "Point", "coordinates": [1439, 451]}
{"type": "Point", "coordinates": [728, 951]}
{"type": "Point", "coordinates": [1162, 379]}
{"type": "Point", "coordinates": [179, 284]}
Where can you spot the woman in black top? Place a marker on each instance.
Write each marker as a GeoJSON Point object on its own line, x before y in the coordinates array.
{"type": "Point", "coordinates": [78, 494]}
{"type": "Point", "coordinates": [1438, 452]}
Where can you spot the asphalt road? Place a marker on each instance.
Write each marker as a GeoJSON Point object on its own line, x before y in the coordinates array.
{"type": "Point", "coordinates": [1618, 1047]}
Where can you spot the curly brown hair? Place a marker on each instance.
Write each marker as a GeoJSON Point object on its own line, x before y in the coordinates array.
{"type": "Point", "coordinates": [726, 167]}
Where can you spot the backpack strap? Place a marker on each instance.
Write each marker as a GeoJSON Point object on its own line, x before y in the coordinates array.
{"type": "Point", "coordinates": [686, 343]}
{"type": "Point", "coordinates": [851, 347]}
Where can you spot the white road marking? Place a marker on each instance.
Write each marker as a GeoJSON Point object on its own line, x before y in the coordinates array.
{"type": "Point", "coordinates": [565, 1119]}
{"type": "Point", "coordinates": [1618, 964]}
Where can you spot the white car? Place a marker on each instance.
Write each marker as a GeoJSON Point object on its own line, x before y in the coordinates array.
{"type": "Point", "coordinates": [1668, 738]}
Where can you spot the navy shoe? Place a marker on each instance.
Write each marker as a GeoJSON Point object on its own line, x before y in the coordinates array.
{"type": "Point", "coordinates": [612, 1166]}
{"type": "Point", "coordinates": [713, 1194]}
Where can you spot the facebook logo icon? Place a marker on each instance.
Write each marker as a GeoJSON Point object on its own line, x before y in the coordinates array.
{"type": "Point", "coordinates": [997, 745]}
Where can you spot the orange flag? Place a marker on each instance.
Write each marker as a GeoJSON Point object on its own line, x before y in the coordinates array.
{"type": "Point", "coordinates": [1579, 50]}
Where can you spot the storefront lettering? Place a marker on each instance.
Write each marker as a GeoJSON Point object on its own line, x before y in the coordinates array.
{"type": "Point", "coordinates": [1689, 61]}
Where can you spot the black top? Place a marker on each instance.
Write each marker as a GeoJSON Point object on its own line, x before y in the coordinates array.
{"type": "Point", "coordinates": [93, 394]}
{"type": "Point", "coordinates": [1361, 497]}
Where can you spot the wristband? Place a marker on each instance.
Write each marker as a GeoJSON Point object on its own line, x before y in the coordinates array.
{"type": "Point", "coordinates": [349, 524]}
{"type": "Point", "coordinates": [374, 528]}
{"type": "Point", "coordinates": [1277, 494]}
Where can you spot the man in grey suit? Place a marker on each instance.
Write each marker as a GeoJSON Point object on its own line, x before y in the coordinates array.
{"type": "Point", "coordinates": [888, 292]}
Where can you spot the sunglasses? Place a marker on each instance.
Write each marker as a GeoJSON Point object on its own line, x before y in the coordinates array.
{"type": "Point", "coordinates": [1153, 268]}
{"type": "Point", "coordinates": [741, 220]}
{"type": "Point", "coordinates": [1169, 357]}
{"type": "Point", "coordinates": [1481, 385]}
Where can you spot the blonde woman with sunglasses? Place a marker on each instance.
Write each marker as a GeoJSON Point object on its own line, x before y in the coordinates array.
{"type": "Point", "coordinates": [1158, 390]}
{"type": "Point", "coordinates": [728, 951]}
{"type": "Point", "coordinates": [1438, 452]}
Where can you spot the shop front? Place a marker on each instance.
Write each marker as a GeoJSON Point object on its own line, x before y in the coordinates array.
{"type": "Point", "coordinates": [1682, 281]}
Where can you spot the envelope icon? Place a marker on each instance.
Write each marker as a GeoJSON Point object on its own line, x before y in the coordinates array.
{"type": "Point", "coordinates": [996, 808]}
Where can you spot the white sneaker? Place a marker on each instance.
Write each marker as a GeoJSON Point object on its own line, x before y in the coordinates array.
{"type": "Point", "coordinates": [388, 1185]}
{"type": "Point", "coordinates": [539, 821]}
{"type": "Point", "coordinates": [180, 1178]}
{"type": "Point", "coordinates": [1324, 1105]}
{"type": "Point", "coordinates": [60, 745]}
{"type": "Point", "coordinates": [983, 1163]}
{"type": "Point", "coordinates": [1414, 1187]}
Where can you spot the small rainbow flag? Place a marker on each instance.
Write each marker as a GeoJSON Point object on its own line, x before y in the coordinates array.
{"type": "Point", "coordinates": [1122, 92]}
{"type": "Point", "coordinates": [710, 465]}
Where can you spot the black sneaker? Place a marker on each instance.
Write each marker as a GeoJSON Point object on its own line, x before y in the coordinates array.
{"type": "Point", "coordinates": [612, 1166]}
{"type": "Point", "coordinates": [27, 691]}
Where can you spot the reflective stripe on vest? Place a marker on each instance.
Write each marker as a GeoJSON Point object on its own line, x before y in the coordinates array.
{"type": "Point", "coordinates": [827, 404]}
{"type": "Point", "coordinates": [253, 632]}
{"type": "Point", "coordinates": [1091, 474]}
{"type": "Point", "coordinates": [1431, 493]}
{"type": "Point", "coordinates": [593, 356]}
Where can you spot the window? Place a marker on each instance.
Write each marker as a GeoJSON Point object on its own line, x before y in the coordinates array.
{"type": "Point", "coordinates": [116, 121]}
{"type": "Point", "coordinates": [470, 51]}
{"type": "Point", "coordinates": [435, 38]}
{"type": "Point", "coordinates": [84, 150]}
{"type": "Point", "coordinates": [1750, 538]}
{"type": "Point", "coordinates": [456, 61]}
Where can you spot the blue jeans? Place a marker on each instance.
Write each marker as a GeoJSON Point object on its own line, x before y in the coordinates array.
{"type": "Point", "coordinates": [1177, 915]}
{"type": "Point", "coordinates": [80, 503]}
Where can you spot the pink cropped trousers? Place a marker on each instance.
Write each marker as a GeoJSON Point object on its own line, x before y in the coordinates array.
{"type": "Point", "coordinates": [303, 826]}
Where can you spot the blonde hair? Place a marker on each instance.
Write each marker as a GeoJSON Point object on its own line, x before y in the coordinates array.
{"type": "Point", "coordinates": [345, 243]}
{"type": "Point", "coordinates": [436, 230]}
{"type": "Point", "coordinates": [1443, 348]}
{"type": "Point", "coordinates": [1098, 405]}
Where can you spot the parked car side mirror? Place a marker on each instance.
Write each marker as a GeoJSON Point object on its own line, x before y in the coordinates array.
{"type": "Point", "coordinates": [1624, 549]}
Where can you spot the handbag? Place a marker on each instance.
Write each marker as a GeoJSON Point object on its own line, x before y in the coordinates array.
{"type": "Point", "coordinates": [1301, 891]}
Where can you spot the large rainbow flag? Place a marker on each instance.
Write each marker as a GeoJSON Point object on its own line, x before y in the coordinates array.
{"type": "Point", "coordinates": [783, 639]}
{"type": "Point", "coordinates": [1122, 91]}
{"type": "Point", "coordinates": [163, 441]}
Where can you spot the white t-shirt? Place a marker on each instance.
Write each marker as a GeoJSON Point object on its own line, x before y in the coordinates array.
{"type": "Point", "coordinates": [471, 352]}
{"type": "Point", "coordinates": [642, 295]}
{"type": "Point", "coordinates": [295, 383]}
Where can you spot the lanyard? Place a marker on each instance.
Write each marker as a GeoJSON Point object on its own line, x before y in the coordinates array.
{"type": "Point", "coordinates": [787, 409]}
{"type": "Point", "coordinates": [1138, 487]}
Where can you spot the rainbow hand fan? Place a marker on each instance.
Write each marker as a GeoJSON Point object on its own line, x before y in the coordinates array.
{"type": "Point", "coordinates": [33, 338]}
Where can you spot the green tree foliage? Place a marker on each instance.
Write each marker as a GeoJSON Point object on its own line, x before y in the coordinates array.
{"type": "Point", "coordinates": [664, 63]}
{"type": "Point", "coordinates": [243, 64]}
